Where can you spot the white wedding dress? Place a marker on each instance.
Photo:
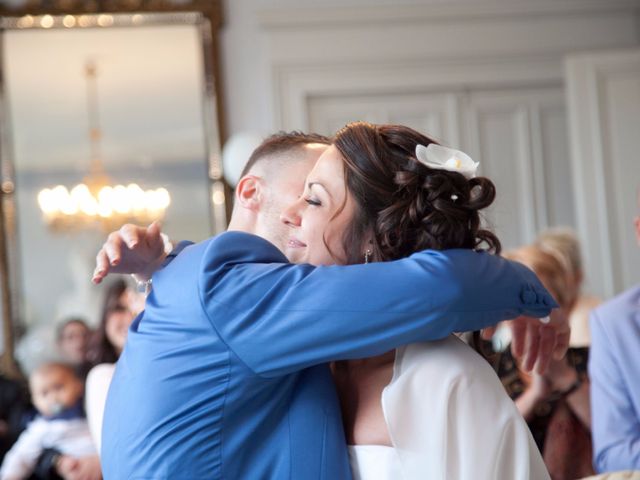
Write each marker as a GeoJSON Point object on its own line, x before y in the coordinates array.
{"type": "Point", "coordinates": [448, 417]}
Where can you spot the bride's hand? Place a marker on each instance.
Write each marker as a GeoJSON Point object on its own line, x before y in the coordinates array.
{"type": "Point", "coordinates": [132, 249]}
{"type": "Point", "coordinates": [536, 342]}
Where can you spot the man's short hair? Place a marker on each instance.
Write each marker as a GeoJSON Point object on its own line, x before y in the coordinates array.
{"type": "Point", "coordinates": [280, 143]}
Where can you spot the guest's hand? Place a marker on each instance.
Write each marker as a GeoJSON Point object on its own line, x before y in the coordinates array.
{"type": "Point", "coordinates": [132, 249]}
{"type": "Point", "coordinates": [536, 343]}
{"type": "Point", "coordinates": [560, 375]}
{"type": "Point", "coordinates": [84, 468]}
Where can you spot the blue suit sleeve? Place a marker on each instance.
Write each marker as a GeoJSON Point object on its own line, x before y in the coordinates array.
{"type": "Point", "coordinates": [280, 317]}
{"type": "Point", "coordinates": [615, 423]}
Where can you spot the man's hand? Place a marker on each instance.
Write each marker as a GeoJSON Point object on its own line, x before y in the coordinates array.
{"type": "Point", "coordinates": [536, 342]}
{"type": "Point", "coordinates": [132, 249]}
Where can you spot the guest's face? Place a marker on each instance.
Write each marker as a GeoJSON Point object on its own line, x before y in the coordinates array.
{"type": "Point", "coordinates": [318, 219]}
{"type": "Point", "coordinates": [54, 390]}
{"type": "Point", "coordinates": [119, 319]}
{"type": "Point", "coordinates": [73, 342]}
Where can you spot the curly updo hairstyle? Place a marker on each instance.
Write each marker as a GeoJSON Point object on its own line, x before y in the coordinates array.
{"type": "Point", "coordinates": [402, 205]}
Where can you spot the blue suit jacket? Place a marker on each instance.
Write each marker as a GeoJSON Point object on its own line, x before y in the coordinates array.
{"type": "Point", "coordinates": [224, 375]}
{"type": "Point", "coordinates": [614, 370]}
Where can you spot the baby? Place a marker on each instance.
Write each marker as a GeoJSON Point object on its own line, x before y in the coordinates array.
{"type": "Point", "coordinates": [56, 393]}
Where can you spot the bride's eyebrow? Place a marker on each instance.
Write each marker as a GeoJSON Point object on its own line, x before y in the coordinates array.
{"type": "Point", "coordinates": [312, 184]}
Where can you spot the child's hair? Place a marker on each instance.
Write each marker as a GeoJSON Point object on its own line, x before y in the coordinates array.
{"type": "Point", "coordinates": [48, 367]}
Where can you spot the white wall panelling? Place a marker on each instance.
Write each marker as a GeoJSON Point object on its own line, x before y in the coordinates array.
{"type": "Point", "coordinates": [604, 109]}
{"type": "Point", "coordinates": [505, 114]}
{"type": "Point", "coordinates": [433, 113]}
{"type": "Point", "coordinates": [483, 74]}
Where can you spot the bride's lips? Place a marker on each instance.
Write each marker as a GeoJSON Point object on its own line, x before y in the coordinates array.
{"type": "Point", "coordinates": [295, 243]}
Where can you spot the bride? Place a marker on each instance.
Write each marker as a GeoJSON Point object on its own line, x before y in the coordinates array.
{"type": "Point", "coordinates": [431, 410]}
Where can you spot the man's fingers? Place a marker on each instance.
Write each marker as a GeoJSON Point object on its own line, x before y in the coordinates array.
{"type": "Point", "coordinates": [518, 334]}
{"type": "Point", "coordinates": [532, 345]}
{"type": "Point", "coordinates": [113, 248]}
{"type": "Point", "coordinates": [154, 239]}
{"type": "Point", "coordinates": [102, 267]}
{"type": "Point", "coordinates": [562, 345]}
{"type": "Point", "coordinates": [487, 333]}
{"type": "Point", "coordinates": [560, 319]}
{"type": "Point", "coordinates": [130, 234]}
{"type": "Point", "coordinates": [547, 336]}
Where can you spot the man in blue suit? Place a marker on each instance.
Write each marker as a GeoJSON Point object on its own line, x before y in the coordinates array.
{"type": "Point", "coordinates": [224, 374]}
{"type": "Point", "coordinates": [614, 370]}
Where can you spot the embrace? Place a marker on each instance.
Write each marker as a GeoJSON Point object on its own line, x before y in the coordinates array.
{"type": "Point", "coordinates": [313, 340]}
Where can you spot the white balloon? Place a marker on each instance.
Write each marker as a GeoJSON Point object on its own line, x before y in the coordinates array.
{"type": "Point", "coordinates": [236, 152]}
{"type": "Point", "coordinates": [36, 347]}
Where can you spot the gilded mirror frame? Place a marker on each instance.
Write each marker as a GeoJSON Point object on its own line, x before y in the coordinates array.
{"type": "Point", "coordinates": [207, 15]}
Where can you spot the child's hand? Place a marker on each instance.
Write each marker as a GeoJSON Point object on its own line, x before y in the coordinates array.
{"type": "Point", "coordinates": [65, 465]}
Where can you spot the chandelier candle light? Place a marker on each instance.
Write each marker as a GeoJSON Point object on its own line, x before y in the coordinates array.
{"type": "Point", "coordinates": [94, 202]}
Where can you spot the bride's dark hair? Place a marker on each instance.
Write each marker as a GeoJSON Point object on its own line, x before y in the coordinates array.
{"type": "Point", "coordinates": [403, 206]}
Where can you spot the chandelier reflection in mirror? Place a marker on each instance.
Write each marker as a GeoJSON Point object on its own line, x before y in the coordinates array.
{"type": "Point", "coordinates": [96, 203]}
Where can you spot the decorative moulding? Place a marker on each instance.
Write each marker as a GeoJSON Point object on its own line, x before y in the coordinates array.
{"type": "Point", "coordinates": [277, 18]}
{"type": "Point", "coordinates": [295, 84]}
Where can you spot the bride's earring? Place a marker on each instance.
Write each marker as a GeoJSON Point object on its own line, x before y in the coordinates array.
{"type": "Point", "coordinates": [367, 255]}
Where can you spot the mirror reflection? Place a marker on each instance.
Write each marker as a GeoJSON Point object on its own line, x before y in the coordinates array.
{"type": "Point", "coordinates": [105, 126]}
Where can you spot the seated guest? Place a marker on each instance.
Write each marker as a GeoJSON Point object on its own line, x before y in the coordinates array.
{"type": "Point", "coordinates": [121, 304]}
{"type": "Point", "coordinates": [56, 393]}
{"type": "Point", "coordinates": [556, 404]}
{"type": "Point", "coordinates": [562, 243]}
{"type": "Point", "coordinates": [614, 368]}
{"type": "Point", "coordinates": [73, 342]}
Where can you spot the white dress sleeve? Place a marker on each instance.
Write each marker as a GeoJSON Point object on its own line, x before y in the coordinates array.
{"type": "Point", "coordinates": [96, 389]}
{"type": "Point", "coordinates": [20, 461]}
{"type": "Point", "coordinates": [449, 417]}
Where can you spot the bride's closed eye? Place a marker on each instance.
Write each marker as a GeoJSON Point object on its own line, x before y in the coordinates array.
{"type": "Point", "coordinates": [313, 202]}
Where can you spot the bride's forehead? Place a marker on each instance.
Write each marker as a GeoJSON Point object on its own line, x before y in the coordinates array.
{"type": "Point", "coordinates": [329, 164]}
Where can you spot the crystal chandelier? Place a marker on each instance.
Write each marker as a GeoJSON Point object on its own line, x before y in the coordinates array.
{"type": "Point", "coordinates": [95, 202]}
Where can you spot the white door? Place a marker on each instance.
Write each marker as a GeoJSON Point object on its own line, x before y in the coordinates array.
{"type": "Point", "coordinates": [603, 101]}
{"type": "Point", "coordinates": [517, 133]}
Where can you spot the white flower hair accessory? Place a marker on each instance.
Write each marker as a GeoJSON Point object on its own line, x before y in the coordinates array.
{"type": "Point", "coordinates": [445, 158]}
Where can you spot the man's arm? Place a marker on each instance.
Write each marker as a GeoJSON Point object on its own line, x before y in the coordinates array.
{"type": "Point", "coordinates": [279, 317]}
{"type": "Point", "coordinates": [615, 423]}
{"type": "Point", "coordinates": [127, 250]}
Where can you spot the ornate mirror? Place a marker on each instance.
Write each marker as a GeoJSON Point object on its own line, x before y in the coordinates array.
{"type": "Point", "coordinates": [100, 101]}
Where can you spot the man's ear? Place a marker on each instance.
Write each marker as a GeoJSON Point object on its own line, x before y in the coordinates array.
{"type": "Point", "coordinates": [636, 222]}
{"type": "Point", "coordinates": [249, 192]}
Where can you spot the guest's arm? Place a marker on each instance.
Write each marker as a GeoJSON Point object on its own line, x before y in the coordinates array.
{"type": "Point", "coordinates": [97, 387]}
{"type": "Point", "coordinates": [535, 393]}
{"type": "Point", "coordinates": [21, 460]}
{"type": "Point", "coordinates": [615, 421]}
{"type": "Point", "coordinates": [564, 379]}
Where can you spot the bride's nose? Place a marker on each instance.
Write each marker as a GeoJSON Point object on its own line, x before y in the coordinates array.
{"type": "Point", "coordinates": [290, 215]}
